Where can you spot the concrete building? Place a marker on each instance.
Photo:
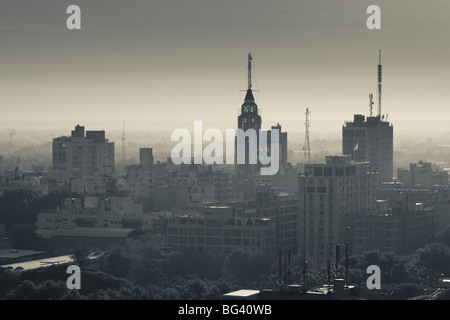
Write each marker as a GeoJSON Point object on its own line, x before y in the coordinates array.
{"type": "Point", "coordinates": [24, 180]}
{"type": "Point", "coordinates": [379, 230]}
{"type": "Point", "coordinates": [422, 174]}
{"type": "Point", "coordinates": [220, 230]}
{"type": "Point", "coordinates": [281, 208]}
{"type": "Point", "coordinates": [223, 186]}
{"type": "Point", "coordinates": [331, 194]}
{"type": "Point", "coordinates": [92, 238]}
{"type": "Point", "coordinates": [92, 184]}
{"type": "Point", "coordinates": [146, 158]}
{"type": "Point", "coordinates": [282, 152]}
{"type": "Point", "coordinates": [370, 140]}
{"type": "Point", "coordinates": [435, 197]}
{"type": "Point", "coordinates": [137, 182]}
{"type": "Point", "coordinates": [83, 154]}
{"type": "Point", "coordinates": [401, 228]}
{"type": "Point", "coordinates": [93, 212]}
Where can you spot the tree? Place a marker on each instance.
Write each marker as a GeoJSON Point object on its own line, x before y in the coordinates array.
{"type": "Point", "coordinates": [80, 256]}
{"type": "Point", "coordinates": [444, 236]}
{"type": "Point", "coordinates": [436, 258]}
{"type": "Point", "coordinates": [117, 263]}
{"type": "Point", "coordinates": [244, 266]}
{"type": "Point", "coordinates": [23, 236]}
{"type": "Point", "coordinates": [186, 263]}
{"type": "Point", "coordinates": [47, 290]}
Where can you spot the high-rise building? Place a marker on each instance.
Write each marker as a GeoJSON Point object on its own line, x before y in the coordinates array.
{"type": "Point", "coordinates": [371, 140]}
{"type": "Point", "coordinates": [330, 195]}
{"type": "Point", "coordinates": [282, 148]}
{"type": "Point", "coordinates": [146, 157]}
{"type": "Point", "coordinates": [83, 154]}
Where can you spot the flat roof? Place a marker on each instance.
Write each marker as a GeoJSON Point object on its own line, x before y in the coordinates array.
{"type": "Point", "coordinates": [91, 232]}
{"type": "Point", "coordinates": [242, 293]}
{"type": "Point", "coordinates": [18, 253]}
{"type": "Point", "coordinates": [40, 263]}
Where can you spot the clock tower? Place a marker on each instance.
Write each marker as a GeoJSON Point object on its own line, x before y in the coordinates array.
{"type": "Point", "coordinates": [248, 119]}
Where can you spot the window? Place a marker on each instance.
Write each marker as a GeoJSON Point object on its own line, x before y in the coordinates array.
{"type": "Point", "coordinates": [327, 172]}
{"type": "Point", "coordinates": [321, 189]}
{"type": "Point", "coordinates": [318, 171]}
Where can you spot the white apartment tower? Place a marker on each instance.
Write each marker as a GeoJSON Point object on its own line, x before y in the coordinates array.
{"type": "Point", "coordinates": [83, 154]}
{"type": "Point", "coordinates": [331, 194]}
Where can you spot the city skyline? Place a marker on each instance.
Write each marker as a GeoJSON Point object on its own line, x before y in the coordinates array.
{"type": "Point", "coordinates": [181, 150]}
{"type": "Point", "coordinates": [175, 62]}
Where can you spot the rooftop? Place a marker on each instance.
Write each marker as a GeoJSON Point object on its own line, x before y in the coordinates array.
{"type": "Point", "coordinates": [91, 232]}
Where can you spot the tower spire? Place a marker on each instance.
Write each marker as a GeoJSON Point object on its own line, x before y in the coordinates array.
{"type": "Point", "coordinates": [379, 83]}
{"type": "Point", "coordinates": [250, 71]}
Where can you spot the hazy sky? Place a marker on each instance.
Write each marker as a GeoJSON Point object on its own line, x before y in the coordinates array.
{"type": "Point", "coordinates": [185, 60]}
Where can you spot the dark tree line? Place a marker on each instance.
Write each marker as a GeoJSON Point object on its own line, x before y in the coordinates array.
{"type": "Point", "coordinates": [22, 206]}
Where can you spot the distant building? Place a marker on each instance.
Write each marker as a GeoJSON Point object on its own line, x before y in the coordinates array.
{"type": "Point", "coordinates": [83, 154]}
{"type": "Point", "coordinates": [146, 158]}
{"type": "Point", "coordinates": [379, 230]}
{"type": "Point", "coordinates": [137, 182]}
{"type": "Point", "coordinates": [422, 174]}
{"type": "Point", "coordinates": [93, 212]}
{"type": "Point", "coordinates": [93, 238]}
{"type": "Point", "coordinates": [370, 140]}
{"type": "Point", "coordinates": [400, 229]}
{"type": "Point", "coordinates": [92, 184]}
{"type": "Point", "coordinates": [435, 197]}
{"type": "Point", "coordinates": [24, 180]}
{"type": "Point", "coordinates": [283, 147]}
{"type": "Point", "coordinates": [281, 208]}
{"type": "Point", "coordinates": [331, 194]}
{"type": "Point", "coordinates": [220, 230]}
{"type": "Point", "coordinates": [223, 186]}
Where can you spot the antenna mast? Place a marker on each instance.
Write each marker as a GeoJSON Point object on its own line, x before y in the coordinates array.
{"type": "Point", "coordinates": [371, 103]}
{"type": "Point", "coordinates": [307, 148]}
{"type": "Point", "coordinates": [123, 145]}
{"type": "Point", "coordinates": [379, 83]}
{"type": "Point", "coordinates": [250, 71]}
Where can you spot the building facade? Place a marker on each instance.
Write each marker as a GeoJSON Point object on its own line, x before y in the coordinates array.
{"type": "Point", "coordinates": [370, 140]}
{"type": "Point", "coordinates": [220, 230]}
{"type": "Point", "coordinates": [422, 174]}
{"type": "Point", "coordinates": [331, 194]}
{"type": "Point", "coordinates": [83, 154]}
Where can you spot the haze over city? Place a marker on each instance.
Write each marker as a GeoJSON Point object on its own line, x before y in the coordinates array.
{"type": "Point", "coordinates": [164, 64]}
